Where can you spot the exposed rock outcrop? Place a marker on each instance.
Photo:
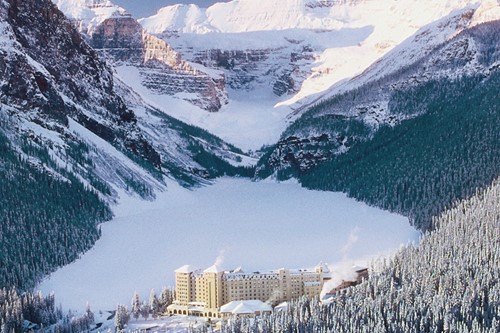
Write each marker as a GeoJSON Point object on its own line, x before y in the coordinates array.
{"type": "Point", "coordinates": [50, 71]}
{"type": "Point", "coordinates": [165, 72]}
{"type": "Point", "coordinates": [281, 69]}
{"type": "Point", "coordinates": [356, 115]}
{"type": "Point", "coordinates": [121, 40]}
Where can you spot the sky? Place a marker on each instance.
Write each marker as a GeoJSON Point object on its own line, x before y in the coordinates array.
{"type": "Point", "coordinates": [144, 8]}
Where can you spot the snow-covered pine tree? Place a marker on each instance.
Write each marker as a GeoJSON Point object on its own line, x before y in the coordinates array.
{"type": "Point", "coordinates": [136, 306]}
{"type": "Point", "coordinates": [166, 298]}
{"type": "Point", "coordinates": [145, 310]}
{"type": "Point", "coordinates": [122, 317]}
{"type": "Point", "coordinates": [450, 282]}
{"type": "Point", "coordinates": [154, 304]}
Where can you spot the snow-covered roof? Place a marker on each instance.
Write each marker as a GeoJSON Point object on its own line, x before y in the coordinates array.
{"type": "Point", "coordinates": [186, 269]}
{"type": "Point", "coordinates": [174, 306]}
{"type": "Point", "coordinates": [281, 307]}
{"type": "Point", "coordinates": [359, 268]}
{"type": "Point", "coordinates": [242, 308]}
{"type": "Point", "coordinates": [245, 307]}
{"type": "Point", "coordinates": [213, 269]}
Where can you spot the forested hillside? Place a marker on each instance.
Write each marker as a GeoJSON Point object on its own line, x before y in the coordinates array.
{"type": "Point", "coordinates": [412, 141]}
{"type": "Point", "coordinates": [426, 163]}
{"type": "Point", "coordinates": [33, 312]}
{"type": "Point", "coordinates": [70, 140]}
{"type": "Point", "coordinates": [448, 283]}
{"type": "Point", "coordinates": [46, 217]}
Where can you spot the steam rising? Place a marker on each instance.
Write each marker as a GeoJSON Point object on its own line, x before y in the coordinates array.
{"type": "Point", "coordinates": [344, 270]}
{"type": "Point", "coordinates": [351, 241]}
{"type": "Point", "coordinates": [220, 258]}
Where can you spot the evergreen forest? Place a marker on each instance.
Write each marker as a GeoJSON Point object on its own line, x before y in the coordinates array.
{"type": "Point", "coordinates": [450, 282]}
{"type": "Point", "coordinates": [48, 217]}
{"type": "Point", "coordinates": [426, 163]}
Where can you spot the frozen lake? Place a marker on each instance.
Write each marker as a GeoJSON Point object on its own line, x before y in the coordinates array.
{"type": "Point", "coordinates": [259, 226]}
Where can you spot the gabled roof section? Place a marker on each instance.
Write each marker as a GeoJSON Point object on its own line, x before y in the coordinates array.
{"type": "Point", "coordinates": [359, 268]}
{"type": "Point", "coordinates": [213, 269]}
{"type": "Point", "coordinates": [186, 269]}
{"type": "Point", "coordinates": [245, 307]}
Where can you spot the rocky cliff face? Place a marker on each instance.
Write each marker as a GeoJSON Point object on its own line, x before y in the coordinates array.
{"type": "Point", "coordinates": [51, 71]}
{"type": "Point", "coordinates": [280, 68]}
{"type": "Point", "coordinates": [120, 37]}
{"type": "Point", "coordinates": [58, 94]}
{"type": "Point", "coordinates": [283, 70]}
{"type": "Point", "coordinates": [121, 40]}
{"type": "Point", "coordinates": [163, 71]}
{"type": "Point", "coordinates": [355, 115]}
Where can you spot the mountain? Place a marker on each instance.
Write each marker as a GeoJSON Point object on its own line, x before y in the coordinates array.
{"type": "Point", "coordinates": [74, 139]}
{"type": "Point", "coordinates": [43, 74]}
{"type": "Point", "coordinates": [112, 31]}
{"type": "Point", "coordinates": [273, 60]}
{"type": "Point", "coordinates": [284, 54]}
{"type": "Point", "coordinates": [404, 140]}
{"type": "Point", "coordinates": [363, 102]}
{"type": "Point", "coordinates": [256, 65]}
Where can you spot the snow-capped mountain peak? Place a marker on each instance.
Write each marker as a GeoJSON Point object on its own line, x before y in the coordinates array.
{"type": "Point", "coordinates": [264, 15]}
{"type": "Point", "coordinates": [249, 15]}
{"type": "Point", "coordinates": [88, 14]}
{"type": "Point", "coordinates": [183, 18]}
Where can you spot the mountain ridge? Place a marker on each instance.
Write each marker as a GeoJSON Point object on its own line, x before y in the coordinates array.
{"type": "Point", "coordinates": [435, 95]}
{"type": "Point", "coordinates": [100, 125]}
{"type": "Point", "coordinates": [66, 120]}
{"type": "Point", "coordinates": [299, 51]}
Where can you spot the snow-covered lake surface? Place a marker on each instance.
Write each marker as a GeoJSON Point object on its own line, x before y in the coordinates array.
{"type": "Point", "coordinates": [256, 225]}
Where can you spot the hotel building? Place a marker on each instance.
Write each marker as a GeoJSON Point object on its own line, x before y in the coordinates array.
{"type": "Point", "coordinates": [203, 293]}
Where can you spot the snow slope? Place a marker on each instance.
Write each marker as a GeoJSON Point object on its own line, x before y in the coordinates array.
{"type": "Point", "coordinates": [249, 122]}
{"type": "Point", "coordinates": [406, 52]}
{"type": "Point", "coordinates": [89, 14]}
{"type": "Point", "coordinates": [256, 225]}
{"type": "Point", "coordinates": [345, 37]}
{"type": "Point", "coordinates": [313, 43]}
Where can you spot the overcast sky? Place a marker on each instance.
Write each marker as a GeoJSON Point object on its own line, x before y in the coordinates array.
{"type": "Point", "coordinates": [143, 8]}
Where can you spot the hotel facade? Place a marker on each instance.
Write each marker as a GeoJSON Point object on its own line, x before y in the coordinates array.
{"type": "Point", "coordinates": [204, 293]}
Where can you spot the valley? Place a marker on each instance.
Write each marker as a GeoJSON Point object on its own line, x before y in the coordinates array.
{"type": "Point", "coordinates": [257, 226]}
{"type": "Point", "coordinates": [252, 133]}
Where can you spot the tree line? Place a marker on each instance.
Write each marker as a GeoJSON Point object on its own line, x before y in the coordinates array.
{"type": "Point", "coordinates": [450, 282]}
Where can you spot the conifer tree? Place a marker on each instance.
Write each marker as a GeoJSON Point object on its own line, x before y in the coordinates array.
{"type": "Point", "coordinates": [145, 310]}
{"type": "Point", "coordinates": [136, 306]}
{"type": "Point", "coordinates": [122, 317]}
{"type": "Point", "coordinates": [154, 304]}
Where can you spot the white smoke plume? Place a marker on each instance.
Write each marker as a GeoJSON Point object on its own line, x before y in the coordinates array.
{"type": "Point", "coordinates": [343, 271]}
{"type": "Point", "coordinates": [220, 258]}
{"type": "Point", "coordinates": [351, 241]}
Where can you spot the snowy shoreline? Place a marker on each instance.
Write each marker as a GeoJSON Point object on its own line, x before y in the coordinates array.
{"type": "Point", "coordinates": [258, 225]}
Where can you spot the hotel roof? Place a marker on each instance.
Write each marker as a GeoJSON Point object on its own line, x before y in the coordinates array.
{"type": "Point", "coordinates": [213, 269]}
{"type": "Point", "coordinates": [186, 269]}
{"type": "Point", "coordinates": [245, 307]}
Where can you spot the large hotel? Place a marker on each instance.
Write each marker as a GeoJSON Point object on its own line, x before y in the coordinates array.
{"type": "Point", "coordinates": [208, 293]}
